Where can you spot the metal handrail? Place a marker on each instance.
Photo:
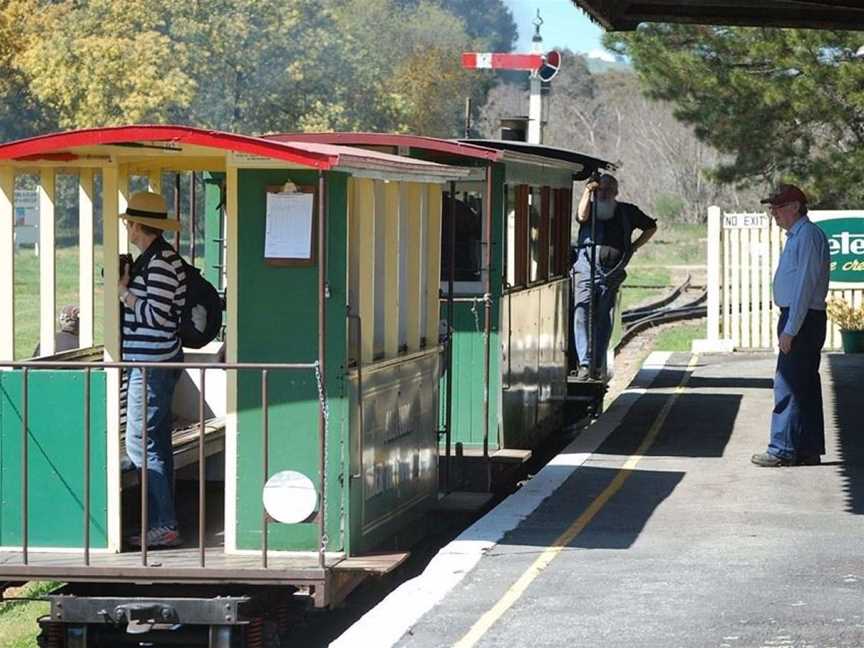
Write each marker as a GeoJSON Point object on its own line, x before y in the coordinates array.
{"type": "Point", "coordinates": [28, 365]}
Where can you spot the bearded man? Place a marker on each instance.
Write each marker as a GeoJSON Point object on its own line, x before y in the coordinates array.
{"type": "Point", "coordinates": [607, 245]}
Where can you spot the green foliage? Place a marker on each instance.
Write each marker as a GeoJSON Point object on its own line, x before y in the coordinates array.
{"type": "Point", "coordinates": [786, 104]}
{"type": "Point", "coordinates": [106, 62]}
{"type": "Point", "coordinates": [402, 66]}
{"type": "Point", "coordinates": [669, 207]}
{"type": "Point", "coordinates": [253, 66]}
{"type": "Point", "coordinates": [490, 22]}
{"type": "Point", "coordinates": [20, 112]}
{"type": "Point", "coordinates": [258, 65]}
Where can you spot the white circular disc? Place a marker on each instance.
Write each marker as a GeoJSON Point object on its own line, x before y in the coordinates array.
{"type": "Point", "coordinates": [290, 497]}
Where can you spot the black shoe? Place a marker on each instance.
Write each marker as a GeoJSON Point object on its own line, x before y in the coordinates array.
{"type": "Point", "coordinates": [583, 374]}
{"type": "Point", "coordinates": [768, 460]}
{"type": "Point", "coordinates": [808, 460]}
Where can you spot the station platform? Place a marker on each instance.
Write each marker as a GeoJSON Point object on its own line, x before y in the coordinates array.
{"type": "Point", "coordinates": [652, 528]}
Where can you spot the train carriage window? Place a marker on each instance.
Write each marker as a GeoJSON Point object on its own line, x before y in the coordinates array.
{"type": "Point", "coordinates": [535, 243]}
{"type": "Point", "coordinates": [553, 229]}
{"type": "Point", "coordinates": [563, 203]}
{"type": "Point", "coordinates": [380, 286]}
{"type": "Point", "coordinates": [468, 207]}
{"type": "Point", "coordinates": [510, 234]}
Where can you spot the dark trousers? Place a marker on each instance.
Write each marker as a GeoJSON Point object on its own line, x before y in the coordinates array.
{"type": "Point", "coordinates": [797, 423]}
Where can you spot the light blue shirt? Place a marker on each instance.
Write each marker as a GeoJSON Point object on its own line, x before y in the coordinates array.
{"type": "Point", "coordinates": [801, 280]}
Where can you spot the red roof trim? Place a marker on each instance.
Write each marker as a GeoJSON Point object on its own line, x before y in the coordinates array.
{"type": "Point", "coordinates": [391, 139]}
{"type": "Point", "coordinates": [53, 143]}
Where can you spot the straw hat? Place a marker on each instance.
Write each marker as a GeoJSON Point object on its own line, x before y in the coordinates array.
{"type": "Point", "coordinates": [149, 208]}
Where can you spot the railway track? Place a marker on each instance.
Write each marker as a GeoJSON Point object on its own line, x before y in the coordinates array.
{"type": "Point", "coordinates": [637, 320]}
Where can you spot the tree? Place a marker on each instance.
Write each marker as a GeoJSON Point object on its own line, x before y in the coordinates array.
{"type": "Point", "coordinates": [104, 62]}
{"type": "Point", "coordinates": [488, 22]}
{"type": "Point", "coordinates": [404, 66]}
{"type": "Point", "coordinates": [662, 163]}
{"type": "Point", "coordinates": [784, 104]}
{"type": "Point", "coordinates": [21, 114]}
{"type": "Point", "coordinates": [259, 65]}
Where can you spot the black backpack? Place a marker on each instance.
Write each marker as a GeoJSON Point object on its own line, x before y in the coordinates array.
{"type": "Point", "coordinates": [201, 315]}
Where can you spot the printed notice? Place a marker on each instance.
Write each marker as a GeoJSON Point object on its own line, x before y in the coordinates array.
{"type": "Point", "coordinates": [289, 226]}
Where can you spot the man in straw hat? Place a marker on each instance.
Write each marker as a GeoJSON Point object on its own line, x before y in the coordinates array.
{"type": "Point", "coordinates": [152, 294]}
{"type": "Point", "coordinates": [800, 288]}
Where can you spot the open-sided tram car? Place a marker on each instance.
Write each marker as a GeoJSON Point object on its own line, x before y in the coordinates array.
{"type": "Point", "coordinates": [331, 370]}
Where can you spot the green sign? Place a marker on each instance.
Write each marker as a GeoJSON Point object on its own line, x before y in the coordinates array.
{"type": "Point", "coordinates": [845, 232]}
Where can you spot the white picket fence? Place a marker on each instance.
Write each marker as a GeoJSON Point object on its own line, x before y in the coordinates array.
{"type": "Point", "coordinates": [743, 252]}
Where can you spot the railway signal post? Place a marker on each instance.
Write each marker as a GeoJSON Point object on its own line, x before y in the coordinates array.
{"type": "Point", "coordinates": [543, 68]}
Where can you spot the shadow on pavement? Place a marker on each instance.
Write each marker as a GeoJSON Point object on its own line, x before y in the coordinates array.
{"type": "Point", "coordinates": [846, 373]}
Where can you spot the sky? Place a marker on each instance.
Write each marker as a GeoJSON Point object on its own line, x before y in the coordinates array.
{"type": "Point", "coordinates": [563, 26]}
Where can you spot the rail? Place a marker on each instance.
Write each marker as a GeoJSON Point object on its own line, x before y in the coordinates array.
{"type": "Point", "coordinates": [640, 319]}
{"type": "Point", "coordinates": [633, 314]}
{"type": "Point", "coordinates": [202, 367]}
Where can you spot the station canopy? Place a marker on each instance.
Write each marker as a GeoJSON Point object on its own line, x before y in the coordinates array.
{"type": "Point", "coordinates": [625, 15]}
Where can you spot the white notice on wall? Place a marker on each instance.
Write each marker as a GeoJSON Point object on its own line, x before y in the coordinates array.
{"type": "Point", "coordinates": [289, 226]}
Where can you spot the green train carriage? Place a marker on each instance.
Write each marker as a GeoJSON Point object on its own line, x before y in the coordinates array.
{"type": "Point", "coordinates": [512, 304]}
{"type": "Point", "coordinates": [353, 408]}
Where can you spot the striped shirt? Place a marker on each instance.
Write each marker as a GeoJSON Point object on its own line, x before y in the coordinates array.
{"type": "Point", "coordinates": [150, 328]}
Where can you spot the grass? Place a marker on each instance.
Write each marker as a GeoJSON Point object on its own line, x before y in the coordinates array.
{"type": "Point", "coordinates": [674, 244]}
{"type": "Point", "coordinates": [679, 337]}
{"type": "Point", "coordinates": [66, 291]}
{"type": "Point", "coordinates": [655, 265]}
{"type": "Point", "coordinates": [18, 627]}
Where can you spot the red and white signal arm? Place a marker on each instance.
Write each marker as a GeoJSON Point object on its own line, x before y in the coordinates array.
{"type": "Point", "coordinates": [501, 61]}
{"type": "Point", "coordinates": [551, 65]}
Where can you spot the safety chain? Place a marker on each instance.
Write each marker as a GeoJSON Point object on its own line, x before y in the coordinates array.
{"type": "Point", "coordinates": [322, 403]}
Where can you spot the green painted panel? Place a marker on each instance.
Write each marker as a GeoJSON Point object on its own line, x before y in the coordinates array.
{"type": "Point", "coordinates": [469, 345]}
{"type": "Point", "coordinates": [55, 445]}
{"type": "Point", "coordinates": [468, 355]}
{"type": "Point", "coordinates": [278, 322]}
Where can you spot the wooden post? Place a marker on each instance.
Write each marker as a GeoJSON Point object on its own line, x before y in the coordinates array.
{"type": "Point", "coordinates": [47, 278]}
{"type": "Point", "coordinates": [409, 267]}
{"type": "Point", "coordinates": [111, 340]}
{"type": "Point", "coordinates": [231, 262]}
{"type": "Point", "coordinates": [122, 192]}
{"type": "Point", "coordinates": [7, 263]}
{"type": "Point", "coordinates": [85, 255]}
{"type": "Point", "coordinates": [433, 283]}
{"type": "Point", "coordinates": [363, 227]}
{"type": "Point", "coordinates": [714, 217]}
{"type": "Point", "coordinates": [392, 270]}
{"type": "Point", "coordinates": [423, 265]}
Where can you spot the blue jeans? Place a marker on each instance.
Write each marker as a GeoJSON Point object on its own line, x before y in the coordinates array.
{"type": "Point", "coordinates": [160, 454]}
{"type": "Point", "coordinates": [605, 291]}
{"type": "Point", "coordinates": [797, 422]}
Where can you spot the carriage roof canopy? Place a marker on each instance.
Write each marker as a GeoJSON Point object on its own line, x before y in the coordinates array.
{"type": "Point", "coordinates": [625, 15]}
{"type": "Point", "coordinates": [477, 149]}
{"type": "Point", "coordinates": [184, 147]}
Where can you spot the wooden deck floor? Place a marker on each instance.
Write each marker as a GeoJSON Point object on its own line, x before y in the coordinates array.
{"type": "Point", "coordinates": [167, 565]}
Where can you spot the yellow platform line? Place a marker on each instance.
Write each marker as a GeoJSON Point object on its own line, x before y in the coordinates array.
{"type": "Point", "coordinates": [482, 626]}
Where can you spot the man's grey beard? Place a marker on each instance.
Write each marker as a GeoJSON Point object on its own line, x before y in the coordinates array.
{"type": "Point", "coordinates": [606, 209]}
